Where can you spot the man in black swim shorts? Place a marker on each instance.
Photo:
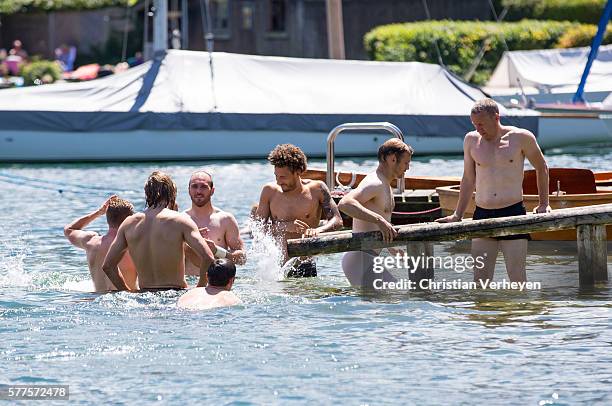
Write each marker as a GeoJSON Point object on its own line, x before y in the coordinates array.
{"type": "Point", "coordinates": [493, 156]}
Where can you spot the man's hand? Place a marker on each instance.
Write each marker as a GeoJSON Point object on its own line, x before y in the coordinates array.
{"type": "Point", "coordinates": [542, 209]}
{"type": "Point", "coordinates": [102, 210]}
{"type": "Point", "coordinates": [305, 229]}
{"type": "Point", "coordinates": [396, 251]}
{"type": "Point", "coordinates": [211, 244]}
{"type": "Point", "coordinates": [453, 218]}
{"type": "Point", "coordinates": [387, 230]}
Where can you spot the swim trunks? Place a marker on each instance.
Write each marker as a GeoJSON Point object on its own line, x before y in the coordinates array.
{"type": "Point", "coordinates": [174, 288]}
{"type": "Point", "coordinates": [304, 269]}
{"type": "Point", "coordinates": [517, 209]}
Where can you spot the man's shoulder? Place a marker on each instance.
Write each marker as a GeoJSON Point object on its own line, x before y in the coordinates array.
{"type": "Point", "coordinates": [271, 188]}
{"type": "Point", "coordinates": [94, 242]}
{"type": "Point", "coordinates": [472, 136]}
{"type": "Point", "coordinates": [371, 180]}
{"type": "Point", "coordinates": [518, 132]}
{"type": "Point", "coordinates": [314, 185]}
{"type": "Point", "coordinates": [133, 219]}
{"type": "Point", "coordinates": [223, 216]}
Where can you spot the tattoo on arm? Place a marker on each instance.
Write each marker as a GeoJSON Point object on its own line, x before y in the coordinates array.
{"type": "Point", "coordinates": [328, 212]}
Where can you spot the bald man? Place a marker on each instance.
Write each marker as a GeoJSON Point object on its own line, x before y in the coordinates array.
{"type": "Point", "coordinates": [218, 227]}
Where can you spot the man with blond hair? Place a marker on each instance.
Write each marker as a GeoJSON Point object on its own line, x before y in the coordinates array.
{"type": "Point", "coordinates": [295, 205]}
{"type": "Point", "coordinates": [493, 159]}
{"type": "Point", "coordinates": [96, 246]}
{"type": "Point", "coordinates": [371, 206]}
{"type": "Point", "coordinates": [155, 240]}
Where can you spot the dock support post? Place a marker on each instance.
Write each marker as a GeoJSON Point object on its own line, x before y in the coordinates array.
{"type": "Point", "coordinates": [592, 254]}
{"type": "Point", "coordinates": [418, 249]}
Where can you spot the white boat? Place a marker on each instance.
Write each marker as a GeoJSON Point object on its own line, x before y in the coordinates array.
{"type": "Point", "coordinates": [550, 76]}
{"type": "Point", "coordinates": [196, 105]}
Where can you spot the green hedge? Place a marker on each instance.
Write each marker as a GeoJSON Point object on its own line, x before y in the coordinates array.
{"type": "Point", "coordinates": [23, 6]}
{"type": "Point", "coordinates": [460, 41]}
{"type": "Point", "coordinates": [586, 11]}
{"type": "Point", "coordinates": [42, 71]}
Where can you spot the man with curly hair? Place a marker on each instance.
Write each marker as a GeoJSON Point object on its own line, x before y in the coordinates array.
{"type": "Point", "coordinates": [294, 205]}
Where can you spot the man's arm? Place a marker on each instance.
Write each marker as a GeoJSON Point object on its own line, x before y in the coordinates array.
{"type": "Point", "coordinates": [192, 236]}
{"type": "Point", "coordinates": [330, 211]}
{"type": "Point", "coordinates": [536, 158]}
{"type": "Point", "coordinates": [234, 242]}
{"type": "Point", "coordinates": [263, 209]}
{"type": "Point", "coordinates": [114, 255]}
{"type": "Point", "coordinates": [352, 204]}
{"type": "Point", "coordinates": [468, 183]}
{"type": "Point", "coordinates": [74, 231]}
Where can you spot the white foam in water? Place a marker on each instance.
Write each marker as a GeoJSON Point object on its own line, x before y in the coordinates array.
{"type": "Point", "coordinates": [12, 271]}
{"type": "Point", "coordinates": [79, 286]}
{"type": "Point", "coordinates": [264, 253]}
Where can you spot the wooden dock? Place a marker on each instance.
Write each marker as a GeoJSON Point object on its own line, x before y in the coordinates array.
{"type": "Point", "coordinates": [590, 222]}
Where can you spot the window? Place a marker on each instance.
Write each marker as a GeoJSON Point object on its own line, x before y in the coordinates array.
{"type": "Point", "coordinates": [278, 16]}
{"type": "Point", "coordinates": [219, 16]}
{"type": "Point", "coordinates": [248, 10]}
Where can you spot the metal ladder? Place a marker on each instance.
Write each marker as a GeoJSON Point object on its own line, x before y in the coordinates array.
{"type": "Point", "coordinates": [331, 138]}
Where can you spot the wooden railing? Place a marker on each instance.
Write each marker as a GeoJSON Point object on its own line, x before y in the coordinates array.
{"type": "Point", "coordinates": [590, 222]}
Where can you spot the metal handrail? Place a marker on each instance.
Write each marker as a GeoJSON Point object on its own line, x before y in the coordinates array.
{"type": "Point", "coordinates": [393, 129]}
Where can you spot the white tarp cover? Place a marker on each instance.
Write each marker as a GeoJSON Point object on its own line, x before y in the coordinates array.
{"type": "Point", "coordinates": [552, 70]}
{"type": "Point", "coordinates": [246, 92]}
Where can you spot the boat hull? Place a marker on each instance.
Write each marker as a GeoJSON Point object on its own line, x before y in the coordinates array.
{"type": "Point", "coordinates": [145, 145]}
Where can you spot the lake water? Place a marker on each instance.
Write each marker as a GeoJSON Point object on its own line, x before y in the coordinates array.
{"type": "Point", "coordinates": [297, 341]}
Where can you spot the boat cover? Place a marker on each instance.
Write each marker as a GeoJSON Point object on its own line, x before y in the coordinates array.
{"type": "Point", "coordinates": [189, 90]}
{"type": "Point", "coordinates": [552, 71]}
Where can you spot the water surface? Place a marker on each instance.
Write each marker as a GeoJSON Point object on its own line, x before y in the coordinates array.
{"type": "Point", "coordinates": [292, 341]}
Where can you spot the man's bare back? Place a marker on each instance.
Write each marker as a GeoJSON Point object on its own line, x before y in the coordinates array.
{"type": "Point", "coordinates": [155, 240]}
{"type": "Point", "coordinates": [96, 246]}
{"type": "Point", "coordinates": [96, 249]}
{"type": "Point", "coordinates": [207, 298]}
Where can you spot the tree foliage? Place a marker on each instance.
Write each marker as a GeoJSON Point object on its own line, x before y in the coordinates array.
{"type": "Point", "coordinates": [26, 6]}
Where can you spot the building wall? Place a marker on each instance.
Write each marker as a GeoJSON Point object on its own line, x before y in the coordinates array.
{"type": "Point", "coordinates": [306, 34]}
{"type": "Point", "coordinates": [41, 33]}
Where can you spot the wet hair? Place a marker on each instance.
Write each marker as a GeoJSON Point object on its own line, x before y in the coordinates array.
{"type": "Point", "coordinates": [118, 210]}
{"type": "Point", "coordinates": [289, 156]}
{"type": "Point", "coordinates": [160, 190]}
{"type": "Point", "coordinates": [393, 146]}
{"type": "Point", "coordinates": [202, 171]}
{"type": "Point", "coordinates": [486, 105]}
{"type": "Point", "coordinates": [220, 272]}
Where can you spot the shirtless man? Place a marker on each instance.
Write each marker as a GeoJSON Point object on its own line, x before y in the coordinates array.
{"type": "Point", "coordinates": [294, 205]}
{"type": "Point", "coordinates": [217, 293]}
{"type": "Point", "coordinates": [96, 246]}
{"type": "Point", "coordinates": [371, 205]}
{"type": "Point", "coordinates": [219, 228]}
{"type": "Point", "coordinates": [155, 240]}
{"type": "Point", "coordinates": [493, 158]}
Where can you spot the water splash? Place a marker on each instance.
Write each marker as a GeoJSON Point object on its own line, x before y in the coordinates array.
{"type": "Point", "coordinates": [12, 270]}
{"type": "Point", "coordinates": [264, 253]}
